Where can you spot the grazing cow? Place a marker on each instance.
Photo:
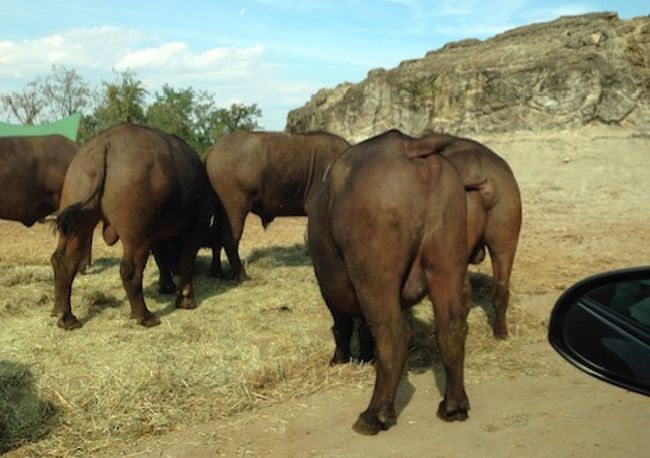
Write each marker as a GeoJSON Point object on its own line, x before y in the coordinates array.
{"type": "Point", "coordinates": [493, 215]}
{"type": "Point", "coordinates": [146, 186]}
{"type": "Point", "coordinates": [493, 221]}
{"type": "Point", "coordinates": [32, 170]}
{"type": "Point", "coordinates": [387, 226]}
{"type": "Point", "coordinates": [268, 173]}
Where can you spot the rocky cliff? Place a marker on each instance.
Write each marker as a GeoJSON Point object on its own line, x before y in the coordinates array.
{"type": "Point", "coordinates": [571, 72]}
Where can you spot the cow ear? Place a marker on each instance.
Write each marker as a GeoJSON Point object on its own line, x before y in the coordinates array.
{"type": "Point", "coordinates": [426, 146]}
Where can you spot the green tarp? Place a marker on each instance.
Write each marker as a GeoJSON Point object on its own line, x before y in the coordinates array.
{"type": "Point", "coordinates": [68, 127]}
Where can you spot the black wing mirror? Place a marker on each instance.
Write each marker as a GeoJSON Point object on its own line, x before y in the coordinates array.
{"type": "Point", "coordinates": [602, 326]}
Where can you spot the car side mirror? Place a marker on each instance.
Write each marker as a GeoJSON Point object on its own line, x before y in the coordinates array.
{"type": "Point", "coordinates": [602, 326]}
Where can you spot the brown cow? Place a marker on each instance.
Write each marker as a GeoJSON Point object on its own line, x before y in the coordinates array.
{"type": "Point", "coordinates": [388, 226]}
{"type": "Point", "coordinates": [32, 170]}
{"type": "Point", "coordinates": [493, 221]}
{"type": "Point", "coordinates": [493, 213]}
{"type": "Point", "coordinates": [268, 173]}
{"type": "Point", "coordinates": [146, 186]}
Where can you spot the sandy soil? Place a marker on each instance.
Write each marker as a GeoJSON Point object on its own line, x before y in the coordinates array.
{"type": "Point", "coordinates": [585, 211]}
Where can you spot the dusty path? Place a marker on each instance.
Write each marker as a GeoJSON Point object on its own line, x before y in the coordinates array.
{"type": "Point", "coordinates": [566, 413]}
{"type": "Point", "coordinates": [585, 210]}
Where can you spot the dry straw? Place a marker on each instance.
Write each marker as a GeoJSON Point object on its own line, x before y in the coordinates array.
{"type": "Point", "coordinates": [113, 383]}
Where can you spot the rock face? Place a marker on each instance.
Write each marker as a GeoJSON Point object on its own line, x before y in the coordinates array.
{"type": "Point", "coordinates": [571, 72]}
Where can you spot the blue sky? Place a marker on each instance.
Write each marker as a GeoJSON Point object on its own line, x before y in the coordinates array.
{"type": "Point", "coordinates": [275, 53]}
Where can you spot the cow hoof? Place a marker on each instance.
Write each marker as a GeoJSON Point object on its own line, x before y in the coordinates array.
{"type": "Point", "coordinates": [242, 277]}
{"type": "Point", "coordinates": [446, 414]}
{"type": "Point", "coordinates": [501, 335]}
{"type": "Point", "coordinates": [69, 323]}
{"type": "Point", "coordinates": [336, 360]}
{"type": "Point", "coordinates": [367, 359]}
{"type": "Point", "coordinates": [369, 424]}
{"type": "Point", "coordinates": [167, 289]}
{"type": "Point", "coordinates": [149, 321]}
{"type": "Point", "coordinates": [183, 302]}
{"type": "Point", "coordinates": [218, 273]}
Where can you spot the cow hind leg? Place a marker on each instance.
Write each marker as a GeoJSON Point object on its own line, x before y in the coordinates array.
{"type": "Point", "coordinates": [339, 296]}
{"type": "Point", "coordinates": [133, 263]}
{"type": "Point", "coordinates": [215, 267]}
{"type": "Point", "coordinates": [192, 242]}
{"type": "Point", "coordinates": [236, 208]}
{"type": "Point", "coordinates": [65, 263]}
{"type": "Point", "coordinates": [86, 258]}
{"type": "Point", "coordinates": [446, 293]}
{"type": "Point", "coordinates": [342, 330]}
{"type": "Point", "coordinates": [366, 343]}
{"type": "Point", "coordinates": [216, 232]}
{"type": "Point", "coordinates": [502, 260]}
{"type": "Point", "coordinates": [163, 258]}
{"type": "Point", "coordinates": [391, 333]}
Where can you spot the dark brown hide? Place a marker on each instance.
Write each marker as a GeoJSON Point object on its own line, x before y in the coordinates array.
{"type": "Point", "coordinates": [146, 186]}
{"type": "Point", "coordinates": [494, 215]}
{"type": "Point", "coordinates": [387, 227]}
{"type": "Point", "coordinates": [32, 170]}
{"type": "Point", "coordinates": [493, 218]}
{"type": "Point", "coordinates": [268, 173]}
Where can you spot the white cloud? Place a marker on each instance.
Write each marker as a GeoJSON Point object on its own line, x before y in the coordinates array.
{"type": "Point", "coordinates": [244, 74]}
{"type": "Point", "coordinates": [85, 48]}
{"type": "Point", "coordinates": [220, 64]}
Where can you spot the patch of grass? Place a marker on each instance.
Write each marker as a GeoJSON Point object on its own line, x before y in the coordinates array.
{"type": "Point", "coordinates": [20, 275]}
{"type": "Point", "coordinates": [246, 346]}
{"type": "Point", "coordinates": [24, 416]}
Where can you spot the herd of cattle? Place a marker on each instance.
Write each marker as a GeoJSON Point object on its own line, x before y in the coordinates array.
{"type": "Point", "coordinates": [391, 219]}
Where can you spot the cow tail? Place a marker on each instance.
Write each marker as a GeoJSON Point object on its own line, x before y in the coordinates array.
{"type": "Point", "coordinates": [427, 146]}
{"type": "Point", "coordinates": [66, 219]}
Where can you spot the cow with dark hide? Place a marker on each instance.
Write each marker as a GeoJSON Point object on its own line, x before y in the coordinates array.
{"type": "Point", "coordinates": [268, 173]}
{"type": "Point", "coordinates": [145, 186]}
{"type": "Point", "coordinates": [388, 226]}
{"type": "Point", "coordinates": [493, 221]}
{"type": "Point", "coordinates": [32, 170]}
{"type": "Point", "coordinates": [493, 215]}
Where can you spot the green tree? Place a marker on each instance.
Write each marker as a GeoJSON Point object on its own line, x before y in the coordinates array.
{"type": "Point", "coordinates": [191, 115]}
{"type": "Point", "coordinates": [195, 118]}
{"type": "Point", "coordinates": [237, 116]}
{"type": "Point", "coordinates": [173, 112]}
{"type": "Point", "coordinates": [121, 101]}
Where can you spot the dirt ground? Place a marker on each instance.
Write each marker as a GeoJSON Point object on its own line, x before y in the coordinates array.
{"type": "Point", "coordinates": [585, 211]}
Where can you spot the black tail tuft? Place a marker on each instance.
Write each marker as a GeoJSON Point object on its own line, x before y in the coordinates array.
{"type": "Point", "coordinates": [66, 220]}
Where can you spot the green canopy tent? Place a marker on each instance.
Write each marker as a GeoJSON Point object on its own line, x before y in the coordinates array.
{"type": "Point", "coordinates": [68, 127]}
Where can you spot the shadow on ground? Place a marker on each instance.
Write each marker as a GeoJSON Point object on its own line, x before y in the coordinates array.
{"type": "Point", "coordinates": [24, 417]}
{"type": "Point", "coordinates": [205, 287]}
{"type": "Point", "coordinates": [281, 256]}
{"type": "Point", "coordinates": [423, 351]}
{"type": "Point", "coordinates": [99, 265]}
